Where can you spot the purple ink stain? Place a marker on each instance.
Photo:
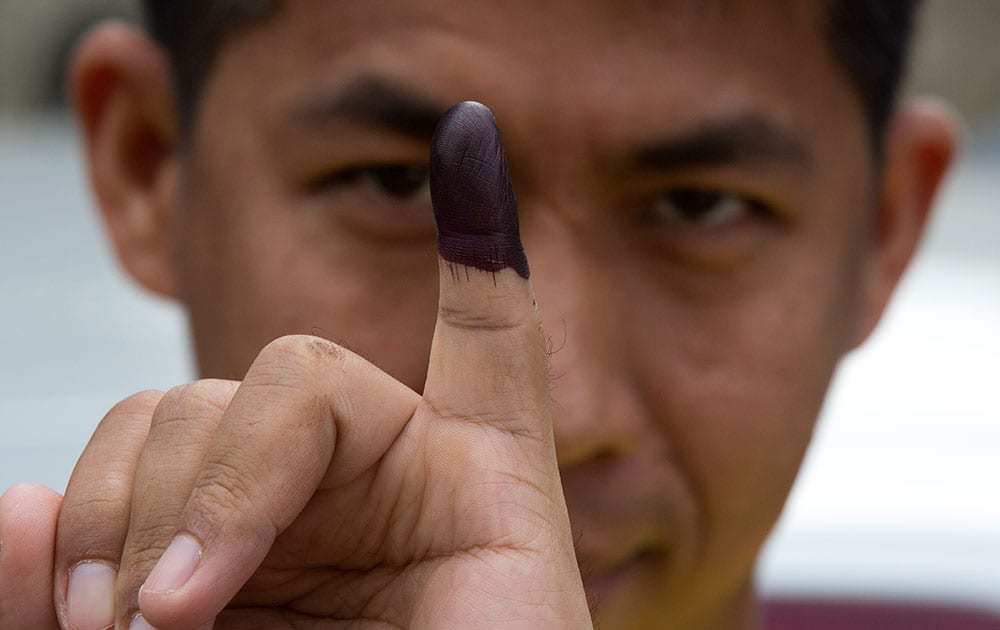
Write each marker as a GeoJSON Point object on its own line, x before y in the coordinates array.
{"type": "Point", "coordinates": [473, 198]}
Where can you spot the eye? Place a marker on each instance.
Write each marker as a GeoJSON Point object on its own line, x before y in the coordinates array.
{"type": "Point", "coordinates": [395, 182]}
{"type": "Point", "coordinates": [702, 207]}
{"type": "Point", "coordinates": [400, 181]}
{"type": "Point", "coordinates": [382, 202]}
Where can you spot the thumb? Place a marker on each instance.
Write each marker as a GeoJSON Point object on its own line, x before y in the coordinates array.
{"type": "Point", "coordinates": [488, 361]}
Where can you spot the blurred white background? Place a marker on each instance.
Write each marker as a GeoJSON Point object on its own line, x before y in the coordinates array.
{"type": "Point", "coordinates": [900, 494]}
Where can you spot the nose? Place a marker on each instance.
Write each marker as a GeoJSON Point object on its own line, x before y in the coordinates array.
{"type": "Point", "coordinates": [597, 407]}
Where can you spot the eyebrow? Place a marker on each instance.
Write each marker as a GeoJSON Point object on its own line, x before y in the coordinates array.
{"type": "Point", "coordinates": [374, 101]}
{"type": "Point", "coordinates": [378, 101]}
{"type": "Point", "coordinates": [745, 138]}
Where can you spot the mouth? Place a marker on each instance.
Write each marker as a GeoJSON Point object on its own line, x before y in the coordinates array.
{"type": "Point", "coordinates": [619, 576]}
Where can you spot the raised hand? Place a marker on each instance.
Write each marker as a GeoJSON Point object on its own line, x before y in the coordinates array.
{"type": "Point", "coordinates": [321, 492]}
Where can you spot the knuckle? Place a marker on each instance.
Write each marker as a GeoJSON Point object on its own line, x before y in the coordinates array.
{"type": "Point", "coordinates": [78, 537]}
{"type": "Point", "coordinates": [294, 359]}
{"type": "Point", "coordinates": [465, 319]}
{"type": "Point", "coordinates": [172, 400]}
{"type": "Point", "coordinates": [145, 544]}
{"type": "Point", "coordinates": [142, 403]}
{"type": "Point", "coordinates": [128, 419]}
{"type": "Point", "coordinates": [226, 502]}
{"type": "Point", "coordinates": [197, 401]}
{"type": "Point", "coordinates": [137, 563]}
{"type": "Point", "coordinates": [102, 495]}
{"type": "Point", "coordinates": [487, 413]}
{"type": "Point", "coordinates": [136, 408]}
{"type": "Point", "coordinates": [304, 348]}
{"type": "Point", "coordinates": [102, 500]}
{"type": "Point", "coordinates": [208, 393]}
{"type": "Point", "coordinates": [222, 491]}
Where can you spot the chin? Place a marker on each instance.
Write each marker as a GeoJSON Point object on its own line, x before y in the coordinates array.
{"type": "Point", "coordinates": [637, 595]}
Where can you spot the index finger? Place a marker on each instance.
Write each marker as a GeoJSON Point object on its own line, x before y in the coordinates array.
{"type": "Point", "coordinates": [488, 359]}
{"type": "Point", "coordinates": [308, 414]}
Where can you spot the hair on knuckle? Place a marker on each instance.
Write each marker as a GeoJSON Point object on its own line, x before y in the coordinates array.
{"type": "Point", "coordinates": [302, 347]}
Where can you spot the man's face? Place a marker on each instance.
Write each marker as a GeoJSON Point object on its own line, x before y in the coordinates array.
{"type": "Point", "coordinates": [694, 185]}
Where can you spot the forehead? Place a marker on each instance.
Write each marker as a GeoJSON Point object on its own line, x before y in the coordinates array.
{"type": "Point", "coordinates": [610, 67]}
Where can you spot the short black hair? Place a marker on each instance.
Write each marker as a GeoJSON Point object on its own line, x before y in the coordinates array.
{"type": "Point", "coordinates": [870, 39]}
{"type": "Point", "coordinates": [191, 32]}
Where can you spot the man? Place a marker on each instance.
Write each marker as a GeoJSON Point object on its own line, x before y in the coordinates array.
{"type": "Point", "coordinates": [716, 200]}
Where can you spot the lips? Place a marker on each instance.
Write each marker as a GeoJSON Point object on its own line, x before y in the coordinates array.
{"type": "Point", "coordinates": [613, 576]}
{"type": "Point", "coordinates": [634, 520]}
{"type": "Point", "coordinates": [611, 552]}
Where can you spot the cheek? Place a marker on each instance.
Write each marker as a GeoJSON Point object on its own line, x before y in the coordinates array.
{"type": "Point", "coordinates": [739, 374]}
{"type": "Point", "coordinates": [305, 277]}
{"type": "Point", "coordinates": [256, 265]}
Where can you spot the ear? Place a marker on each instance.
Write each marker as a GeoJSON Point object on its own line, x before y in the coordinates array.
{"type": "Point", "coordinates": [121, 87]}
{"type": "Point", "coordinates": [920, 145]}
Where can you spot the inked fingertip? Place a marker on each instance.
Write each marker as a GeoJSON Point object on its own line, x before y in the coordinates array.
{"type": "Point", "coordinates": [473, 198]}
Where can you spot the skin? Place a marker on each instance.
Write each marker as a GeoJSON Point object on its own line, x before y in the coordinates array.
{"type": "Point", "coordinates": [688, 358]}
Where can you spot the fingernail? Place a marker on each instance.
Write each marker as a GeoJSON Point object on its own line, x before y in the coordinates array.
{"type": "Point", "coordinates": [90, 596]}
{"type": "Point", "coordinates": [139, 623]}
{"type": "Point", "coordinates": [473, 198]}
{"type": "Point", "coordinates": [175, 567]}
